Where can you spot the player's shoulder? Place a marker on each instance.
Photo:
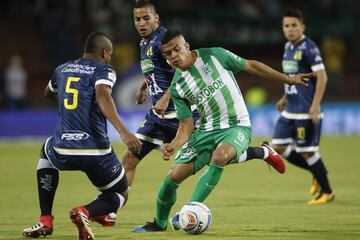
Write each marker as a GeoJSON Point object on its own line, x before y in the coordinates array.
{"type": "Point", "coordinates": [307, 44]}
{"type": "Point", "coordinates": [309, 41]}
{"type": "Point", "coordinates": [157, 35]}
{"type": "Point", "coordinates": [311, 47]}
{"type": "Point", "coordinates": [64, 65]}
{"type": "Point", "coordinates": [211, 51]}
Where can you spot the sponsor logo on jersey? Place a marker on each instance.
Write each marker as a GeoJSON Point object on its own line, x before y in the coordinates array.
{"type": "Point", "coordinates": [208, 91]}
{"type": "Point", "coordinates": [74, 136]}
{"type": "Point", "coordinates": [78, 68]}
{"type": "Point", "coordinates": [290, 66]}
{"type": "Point", "coordinates": [298, 55]}
{"type": "Point", "coordinates": [147, 65]}
{"type": "Point", "coordinates": [188, 153]}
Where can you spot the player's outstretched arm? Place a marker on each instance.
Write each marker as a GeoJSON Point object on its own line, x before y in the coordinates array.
{"type": "Point", "coordinates": [261, 70]}
{"type": "Point", "coordinates": [186, 127]}
{"type": "Point", "coordinates": [108, 108]}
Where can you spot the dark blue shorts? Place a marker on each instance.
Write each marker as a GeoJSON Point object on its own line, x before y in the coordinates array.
{"type": "Point", "coordinates": [156, 130]}
{"type": "Point", "coordinates": [104, 171]}
{"type": "Point", "coordinates": [304, 133]}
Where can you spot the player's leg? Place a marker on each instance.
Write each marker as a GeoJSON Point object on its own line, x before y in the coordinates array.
{"type": "Point", "coordinates": [47, 180]}
{"type": "Point", "coordinates": [285, 132]}
{"type": "Point", "coordinates": [107, 174]}
{"type": "Point", "coordinates": [308, 136]}
{"type": "Point", "coordinates": [131, 160]}
{"type": "Point", "coordinates": [167, 197]}
{"type": "Point", "coordinates": [229, 145]}
{"type": "Point", "coordinates": [264, 152]}
{"type": "Point", "coordinates": [152, 135]}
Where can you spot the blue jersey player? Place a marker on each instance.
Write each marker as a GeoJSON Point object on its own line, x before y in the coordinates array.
{"type": "Point", "coordinates": [301, 115]}
{"type": "Point", "coordinates": [160, 123]}
{"type": "Point", "coordinates": [83, 91]}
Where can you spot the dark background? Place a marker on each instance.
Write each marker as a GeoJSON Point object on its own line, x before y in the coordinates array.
{"type": "Point", "coordinates": [46, 33]}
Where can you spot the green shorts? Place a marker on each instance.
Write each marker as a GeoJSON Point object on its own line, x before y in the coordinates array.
{"type": "Point", "coordinates": [202, 144]}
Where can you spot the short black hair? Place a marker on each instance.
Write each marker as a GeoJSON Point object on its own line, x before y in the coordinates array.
{"type": "Point", "coordinates": [170, 35]}
{"type": "Point", "coordinates": [144, 3]}
{"type": "Point", "coordinates": [91, 45]}
{"type": "Point", "coordinates": [296, 13]}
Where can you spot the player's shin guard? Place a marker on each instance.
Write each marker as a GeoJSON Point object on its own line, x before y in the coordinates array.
{"type": "Point", "coordinates": [48, 179]}
{"type": "Point", "coordinates": [207, 182]}
{"type": "Point", "coordinates": [166, 199]}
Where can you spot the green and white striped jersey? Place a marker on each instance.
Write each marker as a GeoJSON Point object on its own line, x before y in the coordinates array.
{"type": "Point", "coordinates": [210, 85]}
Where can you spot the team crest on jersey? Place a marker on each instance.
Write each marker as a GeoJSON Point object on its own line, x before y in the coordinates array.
{"type": "Point", "coordinates": [146, 65]}
{"type": "Point", "coordinates": [149, 52]}
{"type": "Point", "coordinates": [298, 55]}
{"type": "Point", "coordinates": [207, 69]}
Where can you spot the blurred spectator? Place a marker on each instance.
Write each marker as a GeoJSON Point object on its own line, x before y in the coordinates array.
{"type": "Point", "coordinates": [333, 48]}
{"type": "Point", "coordinates": [15, 83]}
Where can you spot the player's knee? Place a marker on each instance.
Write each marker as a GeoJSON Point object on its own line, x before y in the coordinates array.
{"type": "Point", "coordinates": [179, 172]}
{"type": "Point", "coordinates": [221, 157]}
{"type": "Point", "coordinates": [129, 161]}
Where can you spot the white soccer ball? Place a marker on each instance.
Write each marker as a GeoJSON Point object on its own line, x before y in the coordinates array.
{"type": "Point", "coordinates": [194, 217]}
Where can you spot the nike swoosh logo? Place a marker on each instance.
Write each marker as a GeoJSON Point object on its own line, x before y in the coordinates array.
{"type": "Point", "coordinates": [208, 185]}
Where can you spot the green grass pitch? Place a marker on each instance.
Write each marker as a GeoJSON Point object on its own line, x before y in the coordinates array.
{"type": "Point", "coordinates": [250, 202]}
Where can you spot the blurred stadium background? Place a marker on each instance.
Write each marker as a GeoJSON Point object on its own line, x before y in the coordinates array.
{"type": "Point", "coordinates": [44, 33]}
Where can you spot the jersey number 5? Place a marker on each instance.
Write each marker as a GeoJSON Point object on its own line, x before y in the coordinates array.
{"type": "Point", "coordinates": [73, 91]}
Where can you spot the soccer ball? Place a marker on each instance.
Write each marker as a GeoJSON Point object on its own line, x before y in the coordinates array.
{"type": "Point", "coordinates": [194, 217]}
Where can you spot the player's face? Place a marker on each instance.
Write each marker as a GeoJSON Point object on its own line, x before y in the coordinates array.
{"type": "Point", "coordinates": [177, 53]}
{"type": "Point", "coordinates": [293, 29]}
{"type": "Point", "coordinates": [146, 21]}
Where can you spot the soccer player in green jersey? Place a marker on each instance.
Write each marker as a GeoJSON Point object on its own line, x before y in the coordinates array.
{"type": "Point", "coordinates": [205, 77]}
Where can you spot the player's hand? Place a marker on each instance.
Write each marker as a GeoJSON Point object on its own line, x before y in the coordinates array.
{"type": "Point", "coordinates": [168, 150]}
{"type": "Point", "coordinates": [141, 96]}
{"type": "Point", "coordinates": [302, 78]}
{"type": "Point", "coordinates": [281, 104]}
{"type": "Point", "coordinates": [161, 106]}
{"type": "Point", "coordinates": [315, 113]}
{"type": "Point", "coordinates": [131, 141]}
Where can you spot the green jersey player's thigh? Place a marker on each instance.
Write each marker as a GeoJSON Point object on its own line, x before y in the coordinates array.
{"type": "Point", "coordinates": [202, 144]}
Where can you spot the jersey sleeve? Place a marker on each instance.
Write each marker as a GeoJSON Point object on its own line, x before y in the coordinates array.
{"type": "Point", "coordinates": [229, 60]}
{"type": "Point", "coordinates": [313, 57]}
{"type": "Point", "coordinates": [106, 76]}
{"type": "Point", "coordinates": [53, 83]}
{"type": "Point", "coordinates": [182, 105]}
